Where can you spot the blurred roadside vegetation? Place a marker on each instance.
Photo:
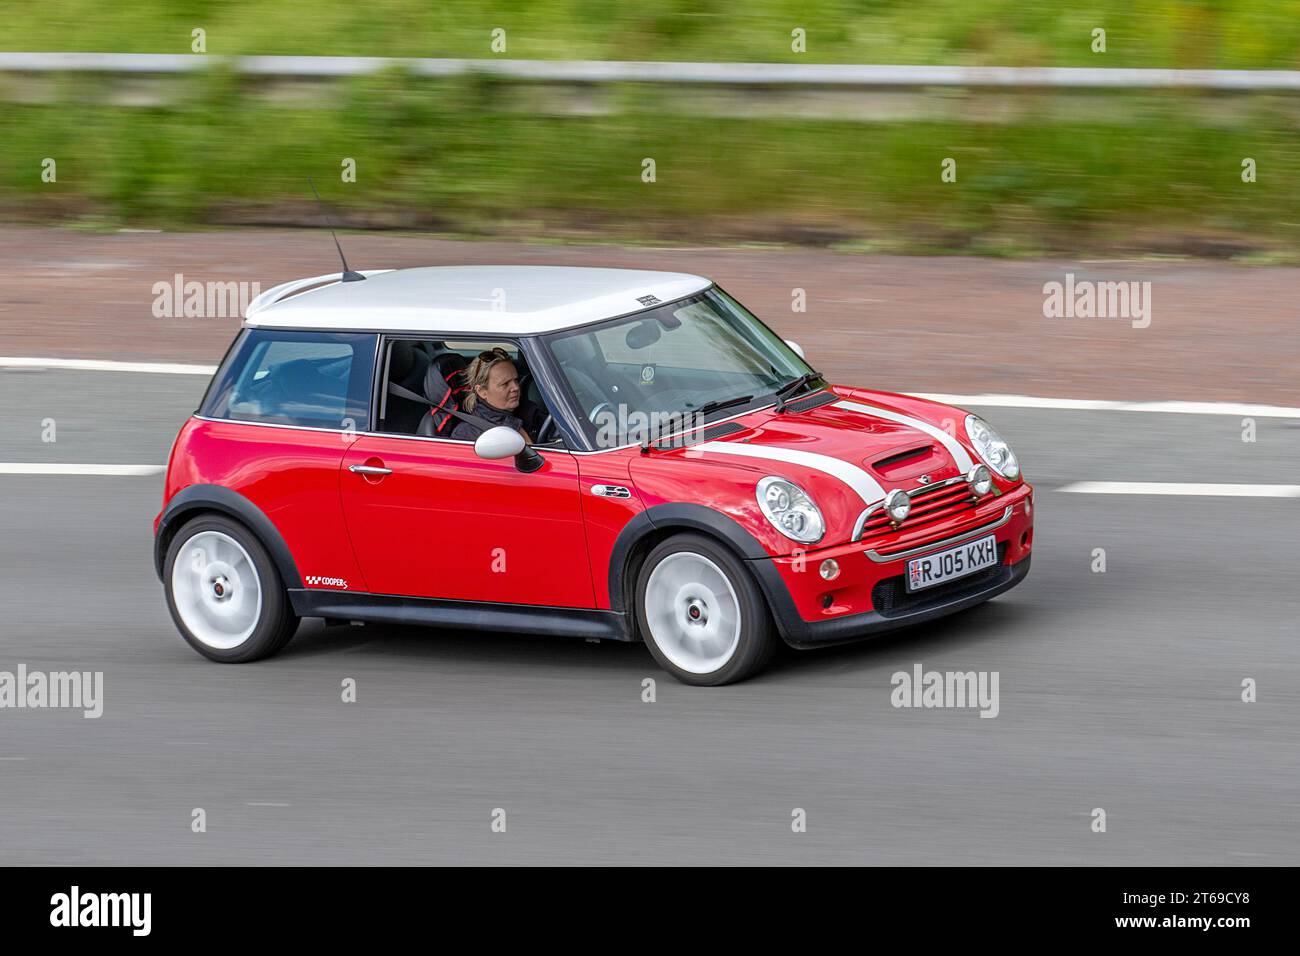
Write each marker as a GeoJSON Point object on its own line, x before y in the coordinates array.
{"type": "Point", "coordinates": [1154, 172]}
{"type": "Point", "coordinates": [1227, 34]}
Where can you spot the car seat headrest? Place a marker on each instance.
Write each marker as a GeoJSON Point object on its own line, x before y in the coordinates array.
{"type": "Point", "coordinates": [442, 368]}
{"type": "Point", "coordinates": [441, 382]}
{"type": "Point", "coordinates": [400, 361]}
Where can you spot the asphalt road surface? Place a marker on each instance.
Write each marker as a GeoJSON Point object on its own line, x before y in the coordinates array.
{"type": "Point", "coordinates": [1118, 690]}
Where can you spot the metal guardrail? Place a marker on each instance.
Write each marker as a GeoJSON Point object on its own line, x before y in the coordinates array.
{"type": "Point", "coordinates": [720, 74]}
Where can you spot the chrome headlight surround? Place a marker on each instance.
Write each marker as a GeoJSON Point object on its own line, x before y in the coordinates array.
{"type": "Point", "coordinates": [790, 509]}
{"type": "Point", "coordinates": [992, 448]}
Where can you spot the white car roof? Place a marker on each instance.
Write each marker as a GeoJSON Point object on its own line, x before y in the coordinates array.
{"type": "Point", "coordinates": [507, 300]}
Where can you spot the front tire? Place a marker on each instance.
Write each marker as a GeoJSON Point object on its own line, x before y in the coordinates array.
{"type": "Point", "coordinates": [224, 593]}
{"type": "Point", "coordinates": [701, 614]}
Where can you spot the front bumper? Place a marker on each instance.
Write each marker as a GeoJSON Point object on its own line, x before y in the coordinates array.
{"type": "Point", "coordinates": [868, 597]}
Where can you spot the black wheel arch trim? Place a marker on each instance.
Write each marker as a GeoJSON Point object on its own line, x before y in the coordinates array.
{"type": "Point", "coordinates": [198, 498]}
{"type": "Point", "coordinates": [676, 517]}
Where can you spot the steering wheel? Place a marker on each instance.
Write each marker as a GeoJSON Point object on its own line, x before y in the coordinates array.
{"type": "Point", "coordinates": [591, 415]}
{"type": "Point", "coordinates": [546, 431]}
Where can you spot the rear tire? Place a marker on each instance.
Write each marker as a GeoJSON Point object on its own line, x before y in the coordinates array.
{"type": "Point", "coordinates": [701, 614]}
{"type": "Point", "coordinates": [224, 593]}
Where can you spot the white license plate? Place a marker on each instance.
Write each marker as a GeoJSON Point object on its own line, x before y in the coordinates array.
{"type": "Point", "coordinates": [952, 564]}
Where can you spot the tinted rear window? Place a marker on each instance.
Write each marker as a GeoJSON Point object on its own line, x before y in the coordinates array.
{"type": "Point", "coordinates": [310, 379]}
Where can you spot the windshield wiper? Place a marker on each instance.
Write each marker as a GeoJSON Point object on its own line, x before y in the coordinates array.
{"type": "Point", "coordinates": [792, 386]}
{"type": "Point", "coordinates": [725, 403]}
{"type": "Point", "coordinates": [686, 437]}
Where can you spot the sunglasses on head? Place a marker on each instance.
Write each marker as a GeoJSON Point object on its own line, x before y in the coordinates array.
{"type": "Point", "coordinates": [494, 355]}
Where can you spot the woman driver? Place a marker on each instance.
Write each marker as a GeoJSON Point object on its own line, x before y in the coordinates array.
{"type": "Point", "coordinates": [494, 395]}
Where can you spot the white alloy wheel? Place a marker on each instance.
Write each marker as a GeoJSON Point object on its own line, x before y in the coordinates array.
{"type": "Point", "coordinates": [216, 590]}
{"type": "Point", "coordinates": [692, 612]}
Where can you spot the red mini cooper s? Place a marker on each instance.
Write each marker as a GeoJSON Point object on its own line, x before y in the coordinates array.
{"type": "Point", "coordinates": [598, 452]}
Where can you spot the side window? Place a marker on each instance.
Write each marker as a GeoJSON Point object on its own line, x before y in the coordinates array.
{"type": "Point", "coordinates": [309, 379]}
{"type": "Point", "coordinates": [413, 363]}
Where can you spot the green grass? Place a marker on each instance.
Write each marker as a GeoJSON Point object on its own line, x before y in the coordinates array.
{"type": "Point", "coordinates": [1159, 172]}
{"type": "Point", "coordinates": [1260, 34]}
{"type": "Point", "coordinates": [450, 156]}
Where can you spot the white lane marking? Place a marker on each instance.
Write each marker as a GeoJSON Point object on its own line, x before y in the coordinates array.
{"type": "Point", "coordinates": [1181, 488]}
{"type": "Point", "coordinates": [988, 400]}
{"type": "Point", "coordinates": [104, 365]}
{"type": "Point", "coordinates": [853, 476]}
{"type": "Point", "coordinates": [62, 468]}
{"type": "Point", "coordinates": [1101, 405]}
{"type": "Point", "coordinates": [959, 454]}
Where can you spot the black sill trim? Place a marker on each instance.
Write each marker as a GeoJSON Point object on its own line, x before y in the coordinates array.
{"type": "Point", "coordinates": [806, 634]}
{"type": "Point", "coordinates": [471, 615]}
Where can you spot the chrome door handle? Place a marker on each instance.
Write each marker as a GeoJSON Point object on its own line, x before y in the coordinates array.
{"type": "Point", "coordinates": [369, 470]}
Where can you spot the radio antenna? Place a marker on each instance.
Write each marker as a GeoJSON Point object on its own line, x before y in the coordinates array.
{"type": "Point", "coordinates": [348, 274]}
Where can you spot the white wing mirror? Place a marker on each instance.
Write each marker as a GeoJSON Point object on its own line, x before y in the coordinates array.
{"type": "Point", "coordinates": [499, 442]}
{"type": "Point", "coordinates": [795, 347]}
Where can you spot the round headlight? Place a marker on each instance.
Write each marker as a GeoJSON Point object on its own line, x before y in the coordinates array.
{"type": "Point", "coordinates": [897, 505]}
{"type": "Point", "coordinates": [995, 452]}
{"type": "Point", "coordinates": [981, 482]}
{"type": "Point", "coordinates": [790, 510]}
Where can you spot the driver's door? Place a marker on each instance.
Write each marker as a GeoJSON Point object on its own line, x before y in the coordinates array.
{"type": "Point", "coordinates": [429, 518]}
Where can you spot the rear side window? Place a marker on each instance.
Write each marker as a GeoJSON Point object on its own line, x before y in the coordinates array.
{"type": "Point", "coordinates": [309, 379]}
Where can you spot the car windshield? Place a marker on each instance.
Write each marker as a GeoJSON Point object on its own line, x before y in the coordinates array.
{"type": "Point", "coordinates": [673, 367]}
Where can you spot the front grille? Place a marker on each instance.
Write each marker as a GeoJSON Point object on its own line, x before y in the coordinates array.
{"type": "Point", "coordinates": [930, 506]}
{"type": "Point", "coordinates": [891, 598]}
